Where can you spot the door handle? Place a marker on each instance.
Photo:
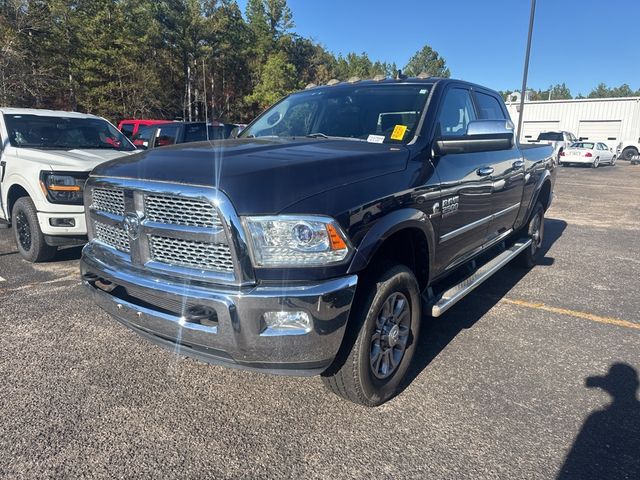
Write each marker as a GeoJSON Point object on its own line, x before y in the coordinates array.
{"type": "Point", "coordinates": [518, 164]}
{"type": "Point", "coordinates": [484, 171]}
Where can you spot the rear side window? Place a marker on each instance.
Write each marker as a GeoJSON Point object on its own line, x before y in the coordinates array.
{"type": "Point", "coordinates": [489, 107]}
{"type": "Point", "coordinates": [166, 136]}
{"type": "Point", "coordinates": [456, 112]}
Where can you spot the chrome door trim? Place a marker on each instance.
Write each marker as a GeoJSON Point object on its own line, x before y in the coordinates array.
{"type": "Point", "coordinates": [477, 223]}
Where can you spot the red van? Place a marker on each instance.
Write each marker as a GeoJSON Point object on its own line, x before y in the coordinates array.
{"type": "Point", "coordinates": [131, 127]}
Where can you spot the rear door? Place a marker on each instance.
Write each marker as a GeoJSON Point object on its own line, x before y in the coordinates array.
{"type": "Point", "coordinates": [507, 178]}
{"type": "Point", "coordinates": [466, 188]}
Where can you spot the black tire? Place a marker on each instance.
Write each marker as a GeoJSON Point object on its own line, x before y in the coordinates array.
{"type": "Point", "coordinates": [371, 339]}
{"type": "Point", "coordinates": [596, 163]}
{"type": "Point", "coordinates": [29, 237]}
{"type": "Point", "coordinates": [628, 152]}
{"type": "Point", "coordinates": [534, 230]}
{"type": "Point", "coordinates": [614, 159]}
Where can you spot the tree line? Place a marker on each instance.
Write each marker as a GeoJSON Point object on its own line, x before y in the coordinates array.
{"type": "Point", "coordinates": [168, 58]}
{"type": "Point", "coordinates": [560, 91]}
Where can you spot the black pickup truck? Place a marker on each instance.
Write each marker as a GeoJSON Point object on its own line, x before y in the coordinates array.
{"type": "Point", "coordinates": [319, 240]}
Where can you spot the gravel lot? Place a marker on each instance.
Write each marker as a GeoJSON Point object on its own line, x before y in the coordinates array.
{"type": "Point", "coordinates": [499, 388]}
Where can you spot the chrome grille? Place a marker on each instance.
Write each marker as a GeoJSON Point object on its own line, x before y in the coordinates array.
{"type": "Point", "coordinates": [180, 211]}
{"type": "Point", "coordinates": [113, 236]}
{"type": "Point", "coordinates": [190, 253]}
{"type": "Point", "coordinates": [110, 201]}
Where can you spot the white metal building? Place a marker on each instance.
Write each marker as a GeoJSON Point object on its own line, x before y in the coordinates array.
{"type": "Point", "coordinates": [614, 121]}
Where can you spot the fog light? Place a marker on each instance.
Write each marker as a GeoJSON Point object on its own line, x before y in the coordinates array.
{"type": "Point", "coordinates": [286, 323]}
{"type": "Point", "coordinates": [62, 222]}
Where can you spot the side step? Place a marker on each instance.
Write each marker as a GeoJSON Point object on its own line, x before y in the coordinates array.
{"type": "Point", "coordinates": [459, 291]}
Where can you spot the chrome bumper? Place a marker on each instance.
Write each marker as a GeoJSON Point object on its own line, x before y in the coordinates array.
{"type": "Point", "coordinates": [154, 307]}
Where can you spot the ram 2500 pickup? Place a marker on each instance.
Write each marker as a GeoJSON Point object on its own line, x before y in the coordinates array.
{"type": "Point", "coordinates": [45, 158]}
{"type": "Point", "coordinates": [319, 240]}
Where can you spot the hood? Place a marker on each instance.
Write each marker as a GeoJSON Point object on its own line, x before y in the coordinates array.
{"type": "Point", "coordinates": [73, 160]}
{"type": "Point", "coordinates": [263, 176]}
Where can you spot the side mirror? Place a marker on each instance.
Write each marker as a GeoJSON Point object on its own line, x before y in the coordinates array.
{"type": "Point", "coordinates": [481, 136]}
{"type": "Point", "coordinates": [235, 132]}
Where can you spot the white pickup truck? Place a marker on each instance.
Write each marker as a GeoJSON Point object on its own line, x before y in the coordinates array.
{"type": "Point", "coordinates": [45, 159]}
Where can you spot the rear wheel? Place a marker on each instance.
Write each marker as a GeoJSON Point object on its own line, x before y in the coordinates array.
{"type": "Point", "coordinates": [629, 152]}
{"type": "Point", "coordinates": [29, 238]}
{"type": "Point", "coordinates": [535, 231]}
{"type": "Point", "coordinates": [596, 163]}
{"type": "Point", "coordinates": [375, 357]}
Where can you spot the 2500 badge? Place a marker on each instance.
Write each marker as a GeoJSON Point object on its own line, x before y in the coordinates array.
{"type": "Point", "coordinates": [450, 205]}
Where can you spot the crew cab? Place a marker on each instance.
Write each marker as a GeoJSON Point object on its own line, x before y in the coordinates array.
{"type": "Point", "coordinates": [319, 240]}
{"type": "Point", "coordinates": [45, 158]}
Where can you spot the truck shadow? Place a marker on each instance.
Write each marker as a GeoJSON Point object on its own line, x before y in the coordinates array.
{"type": "Point", "coordinates": [437, 333]}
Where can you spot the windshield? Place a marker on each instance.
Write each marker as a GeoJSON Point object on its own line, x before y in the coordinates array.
{"type": "Point", "coordinates": [583, 145]}
{"type": "Point", "coordinates": [64, 133]}
{"type": "Point", "coordinates": [374, 113]}
{"type": "Point", "coordinates": [552, 136]}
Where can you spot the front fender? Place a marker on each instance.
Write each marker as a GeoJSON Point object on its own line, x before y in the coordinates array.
{"type": "Point", "coordinates": [385, 227]}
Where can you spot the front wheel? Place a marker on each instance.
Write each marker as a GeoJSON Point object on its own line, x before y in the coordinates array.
{"type": "Point", "coordinates": [614, 159]}
{"type": "Point", "coordinates": [535, 231]}
{"type": "Point", "coordinates": [29, 237]}
{"type": "Point", "coordinates": [386, 319]}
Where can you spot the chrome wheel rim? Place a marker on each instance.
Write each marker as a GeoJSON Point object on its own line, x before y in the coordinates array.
{"type": "Point", "coordinates": [537, 232]}
{"type": "Point", "coordinates": [23, 230]}
{"type": "Point", "coordinates": [391, 335]}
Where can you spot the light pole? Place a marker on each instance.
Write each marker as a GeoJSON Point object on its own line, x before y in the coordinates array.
{"type": "Point", "coordinates": [526, 68]}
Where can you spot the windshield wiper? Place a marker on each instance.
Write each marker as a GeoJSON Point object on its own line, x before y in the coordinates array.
{"type": "Point", "coordinates": [317, 135]}
{"type": "Point", "coordinates": [324, 135]}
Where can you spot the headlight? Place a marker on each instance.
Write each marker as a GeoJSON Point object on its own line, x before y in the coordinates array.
{"type": "Point", "coordinates": [63, 187]}
{"type": "Point", "coordinates": [291, 241]}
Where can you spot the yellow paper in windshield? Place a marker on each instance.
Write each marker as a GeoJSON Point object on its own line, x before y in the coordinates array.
{"type": "Point", "coordinates": [398, 132]}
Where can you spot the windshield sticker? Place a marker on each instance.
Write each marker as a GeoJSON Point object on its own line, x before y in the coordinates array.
{"type": "Point", "coordinates": [375, 139]}
{"type": "Point", "coordinates": [423, 91]}
{"type": "Point", "coordinates": [398, 132]}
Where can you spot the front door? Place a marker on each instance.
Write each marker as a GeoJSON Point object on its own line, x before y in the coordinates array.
{"type": "Point", "coordinates": [466, 184]}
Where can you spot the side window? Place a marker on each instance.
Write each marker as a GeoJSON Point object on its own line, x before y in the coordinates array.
{"type": "Point", "coordinates": [456, 112]}
{"type": "Point", "coordinates": [166, 136]}
{"type": "Point", "coordinates": [127, 129]}
{"type": "Point", "coordinates": [195, 133]}
{"type": "Point", "coordinates": [489, 107]}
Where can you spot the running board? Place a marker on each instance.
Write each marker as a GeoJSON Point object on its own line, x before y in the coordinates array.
{"type": "Point", "coordinates": [459, 291]}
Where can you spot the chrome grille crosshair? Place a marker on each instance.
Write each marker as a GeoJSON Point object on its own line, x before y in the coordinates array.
{"type": "Point", "coordinates": [113, 236]}
{"type": "Point", "coordinates": [190, 253]}
{"type": "Point", "coordinates": [108, 200]}
{"type": "Point", "coordinates": [181, 231]}
{"type": "Point", "coordinates": [174, 210]}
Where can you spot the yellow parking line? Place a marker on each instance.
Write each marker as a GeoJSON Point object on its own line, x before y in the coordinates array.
{"type": "Point", "coordinates": [573, 313]}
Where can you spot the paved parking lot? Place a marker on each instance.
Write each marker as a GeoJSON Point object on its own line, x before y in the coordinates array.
{"type": "Point", "coordinates": [516, 381]}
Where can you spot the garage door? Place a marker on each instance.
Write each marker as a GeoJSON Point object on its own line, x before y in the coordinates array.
{"type": "Point", "coordinates": [605, 131]}
{"type": "Point", "coordinates": [531, 129]}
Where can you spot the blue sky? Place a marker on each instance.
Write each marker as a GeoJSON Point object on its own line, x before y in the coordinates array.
{"type": "Point", "coordinates": [577, 42]}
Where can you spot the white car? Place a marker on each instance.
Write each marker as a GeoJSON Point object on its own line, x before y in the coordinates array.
{"type": "Point", "coordinates": [588, 153]}
{"type": "Point", "coordinates": [45, 159]}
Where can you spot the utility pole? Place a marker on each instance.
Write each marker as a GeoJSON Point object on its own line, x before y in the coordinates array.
{"type": "Point", "coordinates": [526, 68]}
{"type": "Point", "coordinates": [189, 91]}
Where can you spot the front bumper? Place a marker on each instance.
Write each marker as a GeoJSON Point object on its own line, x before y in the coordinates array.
{"type": "Point", "coordinates": [155, 308]}
{"type": "Point", "coordinates": [79, 220]}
